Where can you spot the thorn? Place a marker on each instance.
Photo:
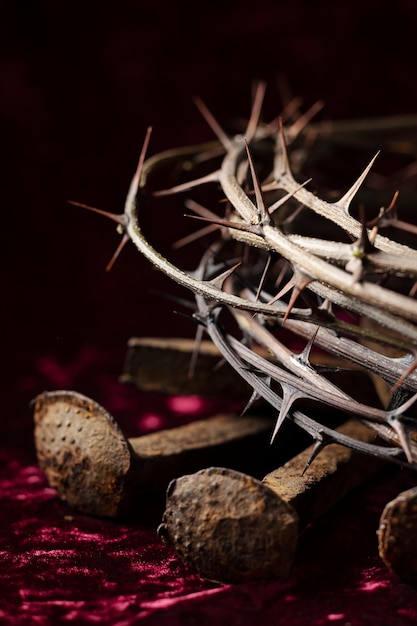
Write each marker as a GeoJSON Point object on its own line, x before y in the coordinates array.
{"type": "Point", "coordinates": [384, 218]}
{"type": "Point", "coordinates": [200, 210]}
{"type": "Point", "coordinates": [203, 157]}
{"type": "Point", "coordinates": [282, 165]}
{"type": "Point", "coordinates": [209, 178]}
{"type": "Point", "coordinates": [304, 356]}
{"type": "Point", "coordinates": [287, 113]}
{"type": "Point", "coordinates": [413, 290]}
{"type": "Point", "coordinates": [219, 221]}
{"type": "Point", "coordinates": [264, 217]}
{"type": "Point", "coordinates": [344, 201]}
{"type": "Point", "coordinates": [403, 437]}
{"type": "Point", "coordinates": [398, 398]}
{"type": "Point", "coordinates": [291, 107]}
{"type": "Point", "coordinates": [118, 218]}
{"type": "Point", "coordinates": [319, 445]}
{"type": "Point", "coordinates": [218, 281]}
{"type": "Point", "coordinates": [404, 375]}
{"type": "Point", "coordinates": [326, 307]}
{"type": "Point", "coordinates": [301, 280]}
{"type": "Point", "coordinates": [202, 232]}
{"type": "Point", "coordinates": [263, 277]}
{"type": "Point", "coordinates": [283, 264]}
{"type": "Point", "coordinates": [393, 413]}
{"type": "Point", "coordinates": [136, 177]}
{"type": "Point", "coordinates": [256, 110]}
{"type": "Point", "coordinates": [204, 213]}
{"type": "Point", "coordinates": [284, 290]}
{"type": "Point", "coordinates": [119, 248]}
{"type": "Point", "coordinates": [277, 428]}
{"type": "Point", "coordinates": [289, 396]}
{"type": "Point", "coordinates": [255, 396]}
{"type": "Point", "coordinates": [407, 227]}
{"type": "Point", "coordinates": [296, 128]}
{"type": "Point", "coordinates": [392, 205]}
{"type": "Point", "coordinates": [212, 122]}
{"type": "Point", "coordinates": [398, 426]}
{"type": "Point", "coordinates": [134, 184]}
{"type": "Point", "coordinates": [287, 196]}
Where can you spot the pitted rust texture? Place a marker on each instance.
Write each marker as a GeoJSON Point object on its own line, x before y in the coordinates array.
{"type": "Point", "coordinates": [82, 451]}
{"type": "Point", "coordinates": [335, 472]}
{"type": "Point", "coordinates": [225, 439]}
{"type": "Point", "coordinates": [397, 535]}
{"type": "Point", "coordinates": [162, 364]}
{"type": "Point", "coordinates": [94, 468]}
{"type": "Point", "coordinates": [219, 520]}
{"type": "Point", "coordinates": [230, 527]}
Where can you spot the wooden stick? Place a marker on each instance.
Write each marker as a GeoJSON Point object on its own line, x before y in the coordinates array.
{"type": "Point", "coordinates": [230, 527]}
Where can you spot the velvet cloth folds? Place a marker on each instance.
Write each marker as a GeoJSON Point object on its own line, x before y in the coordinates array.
{"type": "Point", "coordinates": [60, 566]}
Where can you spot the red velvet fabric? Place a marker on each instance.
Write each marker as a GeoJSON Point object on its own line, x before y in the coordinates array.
{"type": "Point", "coordinates": [60, 566]}
{"type": "Point", "coordinates": [80, 83]}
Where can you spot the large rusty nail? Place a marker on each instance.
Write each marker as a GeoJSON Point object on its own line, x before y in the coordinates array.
{"type": "Point", "coordinates": [162, 364]}
{"type": "Point", "coordinates": [92, 465]}
{"type": "Point", "coordinates": [230, 527]}
{"type": "Point", "coordinates": [397, 535]}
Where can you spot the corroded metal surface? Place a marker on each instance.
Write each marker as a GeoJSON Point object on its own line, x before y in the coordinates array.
{"type": "Point", "coordinates": [83, 452]}
{"type": "Point", "coordinates": [397, 535]}
{"type": "Point", "coordinates": [162, 364]}
{"type": "Point", "coordinates": [93, 467]}
{"type": "Point", "coordinates": [240, 442]}
{"type": "Point", "coordinates": [335, 472]}
{"type": "Point", "coordinates": [229, 527]}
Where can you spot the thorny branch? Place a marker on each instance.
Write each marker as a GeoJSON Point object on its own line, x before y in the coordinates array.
{"type": "Point", "coordinates": [309, 285]}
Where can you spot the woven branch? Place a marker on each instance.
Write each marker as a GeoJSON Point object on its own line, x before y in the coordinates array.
{"type": "Point", "coordinates": [357, 274]}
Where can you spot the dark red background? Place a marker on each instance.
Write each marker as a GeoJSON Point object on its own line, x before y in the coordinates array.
{"type": "Point", "coordinates": [80, 82]}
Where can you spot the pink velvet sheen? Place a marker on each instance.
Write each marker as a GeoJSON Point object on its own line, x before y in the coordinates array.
{"type": "Point", "coordinates": [57, 564]}
{"type": "Point", "coordinates": [60, 566]}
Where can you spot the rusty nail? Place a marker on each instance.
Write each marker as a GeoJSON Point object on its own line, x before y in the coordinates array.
{"type": "Point", "coordinates": [163, 364]}
{"type": "Point", "coordinates": [231, 527]}
{"type": "Point", "coordinates": [397, 535]}
{"type": "Point", "coordinates": [96, 470]}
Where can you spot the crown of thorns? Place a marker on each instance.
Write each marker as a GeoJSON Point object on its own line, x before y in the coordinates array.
{"type": "Point", "coordinates": [286, 283]}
